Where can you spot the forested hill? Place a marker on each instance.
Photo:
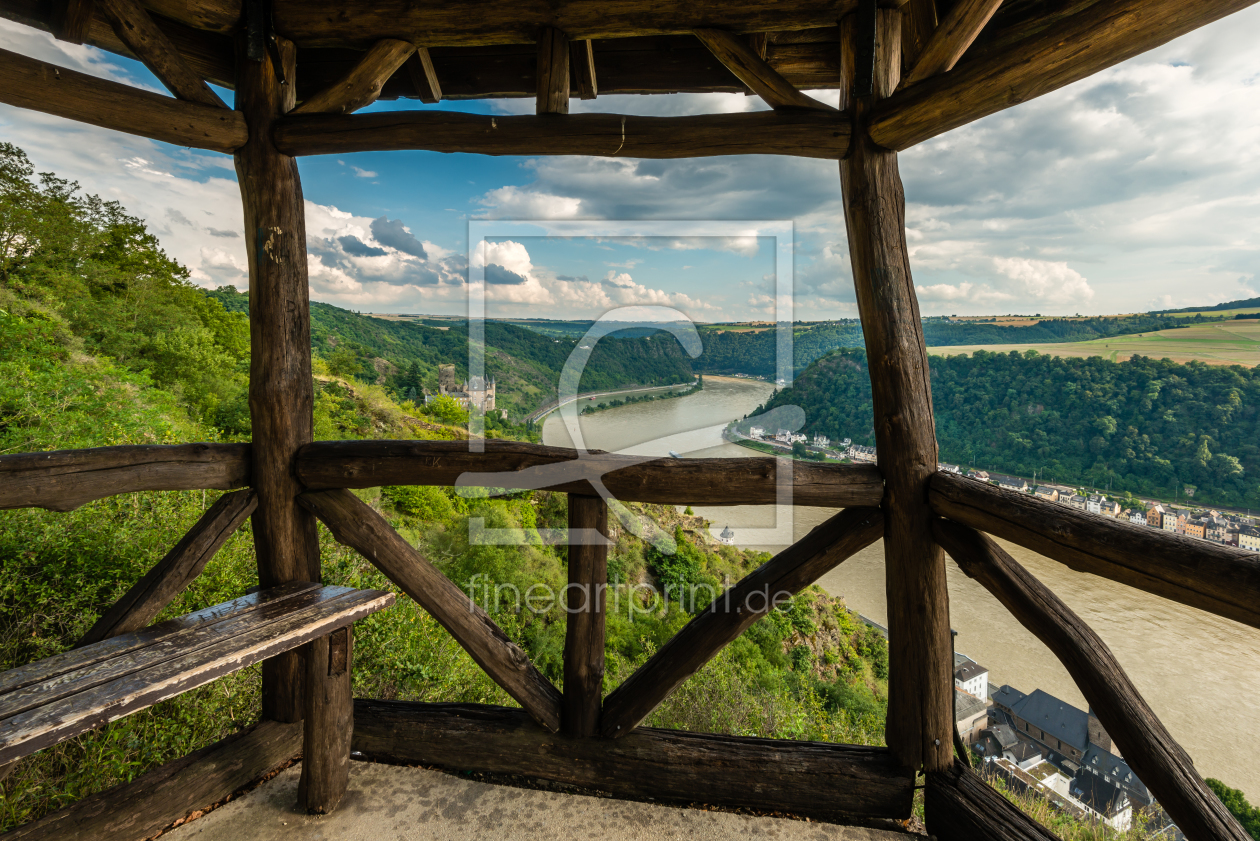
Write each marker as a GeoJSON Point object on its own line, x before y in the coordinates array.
{"type": "Point", "coordinates": [1246, 304]}
{"type": "Point", "coordinates": [404, 355]}
{"type": "Point", "coordinates": [1142, 424]}
{"type": "Point", "coordinates": [753, 352]}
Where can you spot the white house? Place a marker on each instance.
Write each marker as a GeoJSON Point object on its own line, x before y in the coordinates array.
{"type": "Point", "coordinates": [1249, 538]}
{"type": "Point", "coordinates": [1138, 517]}
{"type": "Point", "coordinates": [821, 440]}
{"type": "Point", "coordinates": [971, 677]}
{"type": "Point", "coordinates": [1094, 503]}
{"type": "Point", "coordinates": [757, 432]}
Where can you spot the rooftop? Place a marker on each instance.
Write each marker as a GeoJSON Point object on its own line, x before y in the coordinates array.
{"type": "Point", "coordinates": [1058, 719]}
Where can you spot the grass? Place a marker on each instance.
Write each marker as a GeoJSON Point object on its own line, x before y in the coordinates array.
{"type": "Point", "coordinates": [1221, 343]}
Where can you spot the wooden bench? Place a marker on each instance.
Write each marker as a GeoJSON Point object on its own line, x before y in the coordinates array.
{"type": "Point", "coordinates": [52, 700]}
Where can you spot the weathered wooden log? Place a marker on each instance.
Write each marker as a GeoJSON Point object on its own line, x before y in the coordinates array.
{"type": "Point", "coordinates": [734, 611]}
{"type": "Point", "coordinates": [959, 806]}
{"type": "Point", "coordinates": [920, 683]}
{"type": "Point", "coordinates": [281, 396]}
{"type": "Point", "coordinates": [1162, 765]}
{"type": "Point", "coordinates": [918, 22]}
{"type": "Point", "coordinates": [1210, 576]}
{"type": "Point", "coordinates": [354, 524]}
{"type": "Point", "coordinates": [1094, 38]}
{"type": "Point", "coordinates": [553, 72]}
{"type": "Point", "coordinates": [74, 20]}
{"type": "Point", "coordinates": [803, 135]}
{"type": "Point", "coordinates": [145, 806]}
{"type": "Point", "coordinates": [751, 69]}
{"type": "Point", "coordinates": [329, 722]}
{"type": "Point", "coordinates": [810, 779]}
{"type": "Point", "coordinates": [40, 86]}
{"type": "Point", "coordinates": [176, 571]}
{"type": "Point", "coordinates": [582, 60]}
{"type": "Point", "coordinates": [62, 480]}
{"type": "Point", "coordinates": [424, 76]}
{"type": "Point", "coordinates": [511, 464]}
{"type": "Point", "coordinates": [142, 36]}
{"type": "Point", "coordinates": [951, 38]}
{"type": "Point", "coordinates": [358, 23]}
{"type": "Point", "coordinates": [585, 605]}
{"type": "Point", "coordinates": [362, 85]}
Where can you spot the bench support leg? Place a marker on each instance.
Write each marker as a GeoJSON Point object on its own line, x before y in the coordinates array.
{"type": "Point", "coordinates": [328, 724]}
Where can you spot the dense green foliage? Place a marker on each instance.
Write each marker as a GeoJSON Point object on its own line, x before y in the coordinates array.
{"type": "Point", "coordinates": [1141, 426]}
{"type": "Point", "coordinates": [617, 402]}
{"type": "Point", "coordinates": [1247, 303]}
{"type": "Point", "coordinates": [1236, 802]}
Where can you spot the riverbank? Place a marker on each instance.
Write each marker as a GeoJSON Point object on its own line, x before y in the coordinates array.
{"type": "Point", "coordinates": [551, 406]}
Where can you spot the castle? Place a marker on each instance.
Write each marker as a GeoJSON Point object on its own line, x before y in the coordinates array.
{"type": "Point", "coordinates": [477, 391]}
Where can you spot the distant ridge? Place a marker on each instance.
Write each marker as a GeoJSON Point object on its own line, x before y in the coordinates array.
{"type": "Point", "coordinates": [1228, 305]}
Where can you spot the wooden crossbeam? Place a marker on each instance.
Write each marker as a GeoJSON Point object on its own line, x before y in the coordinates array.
{"type": "Point", "coordinates": [694, 481]}
{"type": "Point", "coordinates": [1104, 34]}
{"type": "Point", "coordinates": [1163, 766]}
{"type": "Point", "coordinates": [1216, 578]}
{"type": "Point", "coordinates": [179, 568]}
{"type": "Point", "coordinates": [820, 780]}
{"type": "Point", "coordinates": [751, 69]}
{"type": "Point", "coordinates": [424, 77]}
{"type": "Point", "coordinates": [356, 525]}
{"type": "Point", "coordinates": [75, 20]}
{"type": "Point", "coordinates": [358, 23]}
{"type": "Point", "coordinates": [918, 22]}
{"type": "Point", "coordinates": [807, 134]}
{"type": "Point", "coordinates": [362, 85]}
{"type": "Point", "coordinates": [585, 607]}
{"type": "Point", "coordinates": [40, 86]}
{"type": "Point", "coordinates": [62, 480]}
{"type": "Point", "coordinates": [137, 30]}
{"type": "Point", "coordinates": [951, 38]}
{"type": "Point", "coordinates": [960, 806]}
{"type": "Point", "coordinates": [553, 72]}
{"type": "Point", "coordinates": [733, 612]}
{"type": "Point", "coordinates": [582, 60]}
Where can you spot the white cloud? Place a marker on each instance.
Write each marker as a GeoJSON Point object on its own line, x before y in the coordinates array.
{"type": "Point", "coordinates": [1042, 280]}
{"type": "Point", "coordinates": [363, 173]}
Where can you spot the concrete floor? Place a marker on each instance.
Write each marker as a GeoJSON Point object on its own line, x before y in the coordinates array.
{"type": "Point", "coordinates": [391, 803]}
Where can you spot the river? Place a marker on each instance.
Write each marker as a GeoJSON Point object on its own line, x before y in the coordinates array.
{"type": "Point", "coordinates": [1200, 673]}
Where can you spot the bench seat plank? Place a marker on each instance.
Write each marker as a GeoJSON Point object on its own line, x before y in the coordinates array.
{"type": "Point", "coordinates": [183, 658]}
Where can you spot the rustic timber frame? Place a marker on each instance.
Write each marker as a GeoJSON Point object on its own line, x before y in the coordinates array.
{"type": "Point", "coordinates": [907, 70]}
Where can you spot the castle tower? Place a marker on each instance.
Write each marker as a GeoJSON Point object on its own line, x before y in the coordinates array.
{"type": "Point", "coordinates": [1098, 736]}
{"type": "Point", "coordinates": [446, 379]}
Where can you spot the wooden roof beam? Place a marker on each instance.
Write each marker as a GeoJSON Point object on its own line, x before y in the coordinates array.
{"type": "Point", "coordinates": [951, 38]}
{"type": "Point", "coordinates": [553, 72]}
{"type": "Point", "coordinates": [424, 77]}
{"type": "Point", "coordinates": [582, 60]}
{"type": "Point", "coordinates": [362, 85]}
{"type": "Point", "coordinates": [75, 20]}
{"type": "Point", "coordinates": [738, 57]}
{"type": "Point", "coordinates": [40, 86]}
{"type": "Point", "coordinates": [1104, 34]}
{"type": "Point", "coordinates": [805, 134]}
{"type": "Point", "coordinates": [137, 30]}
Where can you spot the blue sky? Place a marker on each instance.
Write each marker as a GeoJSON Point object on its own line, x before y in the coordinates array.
{"type": "Point", "coordinates": [1135, 189]}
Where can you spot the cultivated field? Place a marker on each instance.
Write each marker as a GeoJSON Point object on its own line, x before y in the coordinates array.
{"type": "Point", "coordinates": [1222, 343]}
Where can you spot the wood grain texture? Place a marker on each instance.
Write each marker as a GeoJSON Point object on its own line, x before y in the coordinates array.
{"type": "Point", "coordinates": [424, 77]}
{"type": "Point", "coordinates": [142, 36]}
{"type": "Point", "coordinates": [959, 806]}
{"type": "Point", "coordinates": [582, 60]}
{"type": "Point", "coordinates": [920, 684]}
{"type": "Point", "coordinates": [75, 18]}
{"type": "Point", "coordinates": [40, 86]}
{"type": "Point", "coordinates": [62, 480]}
{"type": "Point", "coordinates": [179, 568]}
{"type": "Point", "coordinates": [151, 802]}
{"type": "Point", "coordinates": [553, 72]}
{"type": "Point", "coordinates": [511, 464]}
{"type": "Point", "coordinates": [734, 611]}
{"type": "Point", "coordinates": [281, 395]}
{"type": "Point", "coordinates": [951, 38]}
{"type": "Point", "coordinates": [329, 722]}
{"type": "Point", "coordinates": [354, 524]}
{"type": "Point", "coordinates": [751, 69]}
{"type": "Point", "coordinates": [918, 22]}
{"type": "Point", "coordinates": [362, 85]}
{"type": "Point", "coordinates": [220, 16]}
{"type": "Point", "coordinates": [39, 715]}
{"type": "Point", "coordinates": [584, 620]}
{"type": "Point", "coordinates": [1162, 765]}
{"type": "Point", "coordinates": [358, 23]}
{"type": "Point", "coordinates": [1095, 38]}
{"type": "Point", "coordinates": [1219, 579]}
{"type": "Point", "coordinates": [811, 779]}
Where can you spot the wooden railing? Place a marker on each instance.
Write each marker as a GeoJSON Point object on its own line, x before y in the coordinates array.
{"type": "Point", "coordinates": [600, 743]}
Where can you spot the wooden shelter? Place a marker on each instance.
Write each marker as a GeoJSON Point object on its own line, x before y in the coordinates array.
{"type": "Point", "coordinates": [907, 70]}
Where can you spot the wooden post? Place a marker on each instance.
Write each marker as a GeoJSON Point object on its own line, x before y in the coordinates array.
{"type": "Point", "coordinates": [584, 631]}
{"type": "Point", "coordinates": [553, 72]}
{"type": "Point", "coordinates": [920, 680]}
{"type": "Point", "coordinates": [329, 723]}
{"type": "Point", "coordinates": [280, 391]}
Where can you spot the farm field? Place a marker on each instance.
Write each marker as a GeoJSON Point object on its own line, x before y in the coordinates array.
{"type": "Point", "coordinates": [1222, 343]}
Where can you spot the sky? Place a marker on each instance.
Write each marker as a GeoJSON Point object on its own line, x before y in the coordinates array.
{"type": "Point", "coordinates": [1135, 189]}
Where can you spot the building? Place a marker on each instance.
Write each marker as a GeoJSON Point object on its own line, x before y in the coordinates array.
{"type": "Point", "coordinates": [864, 454]}
{"type": "Point", "coordinates": [1095, 503]}
{"type": "Point", "coordinates": [1249, 538]}
{"type": "Point", "coordinates": [1005, 697]}
{"type": "Point", "coordinates": [1196, 527]}
{"type": "Point", "coordinates": [821, 440]}
{"type": "Point", "coordinates": [757, 432]}
{"type": "Point", "coordinates": [1137, 517]}
{"type": "Point", "coordinates": [982, 475]}
{"type": "Point", "coordinates": [1047, 493]}
{"type": "Point", "coordinates": [477, 392]}
{"type": "Point", "coordinates": [971, 677]}
{"type": "Point", "coordinates": [1075, 501]}
{"type": "Point", "coordinates": [1168, 522]}
{"type": "Point", "coordinates": [949, 468]}
{"type": "Point", "coordinates": [1216, 529]}
{"type": "Point", "coordinates": [971, 715]}
{"type": "Point", "coordinates": [1155, 516]}
{"type": "Point", "coordinates": [1010, 483]}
